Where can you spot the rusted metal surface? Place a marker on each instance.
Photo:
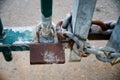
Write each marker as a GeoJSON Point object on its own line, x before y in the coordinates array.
{"type": "Point", "coordinates": [94, 34]}
{"type": "Point", "coordinates": [100, 24]}
{"type": "Point", "coordinates": [99, 35]}
{"type": "Point", "coordinates": [60, 35]}
{"type": "Point", "coordinates": [47, 53]}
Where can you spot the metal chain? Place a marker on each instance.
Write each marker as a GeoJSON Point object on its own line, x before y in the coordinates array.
{"type": "Point", "coordinates": [105, 54]}
{"type": "Point", "coordinates": [64, 30]}
{"type": "Point", "coordinates": [110, 24]}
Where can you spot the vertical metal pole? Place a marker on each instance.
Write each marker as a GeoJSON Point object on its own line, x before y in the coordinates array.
{"type": "Point", "coordinates": [114, 41]}
{"type": "Point", "coordinates": [2, 33]}
{"type": "Point", "coordinates": [46, 8]}
{"type": "Point", "coordinates": [1, 27]}
{"type": "Point", "coordinates": [81, 17]}
{"type": "Point", "coordinates": [46, 11]}
{"type": "Point", "coordinates": [46, 22]}
{"type": "Point", "coordinates": [81, 20]}
{"type": "Point", "coordinates": [6, 51]}
{"type": "Point", "coordinates": [7, 55]}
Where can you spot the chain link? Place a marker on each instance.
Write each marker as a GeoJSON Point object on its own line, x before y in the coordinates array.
{"type": "Point", "coordinates": [110, 24]}
{"type": "Point", "coordinates": [105, 54]}
{"type": "Point", "coordinates": [64, 31]}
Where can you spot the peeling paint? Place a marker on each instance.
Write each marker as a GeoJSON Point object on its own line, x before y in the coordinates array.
{"type": "Point", "coordinates": [50, 57]}
{"type": "Point", "coordinates": [18, 35]}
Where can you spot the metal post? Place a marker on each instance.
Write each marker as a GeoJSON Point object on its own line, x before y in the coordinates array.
{"type": "Point", "coordinates": [46, 8]}
{"type": "Point", "coordinates": [46, 26]}
{"type": "Point", "coordinates": [2, 33]}
{"type": "Point", "coordinates": [81, 20]}
{"type": "Point", "coordinates": [114, 40]}
{"type": "Point", "coordinates": [7, 55]}
{"type": "Point", "coordinates": [81, 17]}
{"type": "Point", "coordinates": [1, 27]}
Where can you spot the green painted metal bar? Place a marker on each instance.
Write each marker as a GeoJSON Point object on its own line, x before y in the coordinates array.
{"type": "Point", "coordinates": [2, 33]}
{"type": "Point", "coordinates": [46, 8]}
{"type": "Point", "coordinates": [16, 39]}
{"type": "Point", "coordinates": [15, 35]}
{"type": "Point", "coordinates": [7, 49]}
{"type": "Point", "coordinates": [7, 54]}
{"type": "Point", "coordinates": [1, 27]}
{"type": "Point", "coordinates": [46, 22]}
{"type": "Point", "coordinates": [14, 47]}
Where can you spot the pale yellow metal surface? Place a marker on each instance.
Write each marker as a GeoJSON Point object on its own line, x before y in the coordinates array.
{"type": "Point", "coordinates": [73, 57]}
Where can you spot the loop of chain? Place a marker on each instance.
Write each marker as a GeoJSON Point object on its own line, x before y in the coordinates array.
{"type": "Point", "coordinates": [105, 54]}
{"type": "Point", "coordinates": [64, 32]}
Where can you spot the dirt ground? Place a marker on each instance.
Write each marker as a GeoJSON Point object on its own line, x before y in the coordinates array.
{"type": "Point", "coordinates": [27, 13]}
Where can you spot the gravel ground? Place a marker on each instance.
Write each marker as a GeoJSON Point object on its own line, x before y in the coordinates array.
{"type": "Point", "coordinates": [26, 13]}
